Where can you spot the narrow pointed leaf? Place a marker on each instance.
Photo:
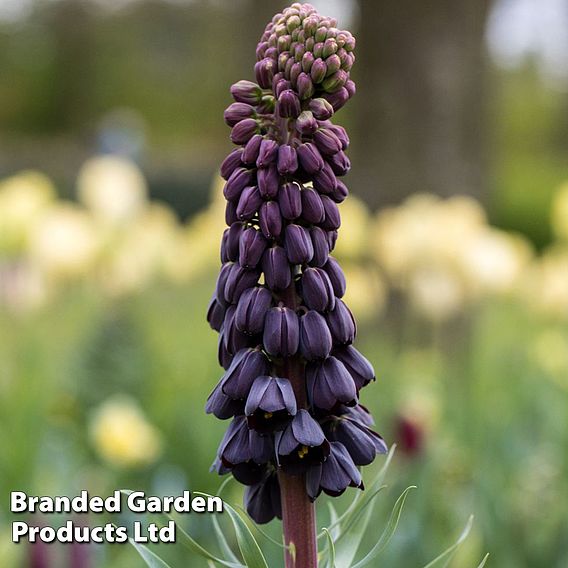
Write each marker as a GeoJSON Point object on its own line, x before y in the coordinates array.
{"type": "Point", "coordinates": [331, 549]}
{"type": "Point", "coordinates": [484, 561]}
{"type": "Point", "coordinates": [444, 558]}
{"type": "Point", "coordinates": [150, 558]}
{"type": "Point", "coordinates": [221, 539]}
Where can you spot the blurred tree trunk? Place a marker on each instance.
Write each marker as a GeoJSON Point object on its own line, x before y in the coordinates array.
{"type": "Point", "coordinates": [420, 109]}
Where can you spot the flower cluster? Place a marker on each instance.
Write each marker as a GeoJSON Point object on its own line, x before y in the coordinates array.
{"type": "Point", "coordinates": [292, 376]}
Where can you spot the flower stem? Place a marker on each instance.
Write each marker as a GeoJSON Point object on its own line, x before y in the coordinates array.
{"type": "Point", "coordinates": [298, 512]}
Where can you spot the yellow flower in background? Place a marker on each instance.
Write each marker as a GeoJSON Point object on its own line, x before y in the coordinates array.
{"type": "Point", "coordinates": [366, 292]}
{"type": "Point", "coordinates": [122, 435]}
{"type": "Point", "coordinates": [23, 198]}
{"type": "Point", "coordinates": [559, 214]}
{"type": "Point", "coordinates": [354, 231]}
{"type": "Point", "coordinates": [64, 241]}
{"type": "Point", "coordinates": [112, 188]}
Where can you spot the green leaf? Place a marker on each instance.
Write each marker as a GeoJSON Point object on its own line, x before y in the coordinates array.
{"type": "Point", "coordinates": [227, 551]}
{"type": "Point", "coordinates": [151, 559]}
{"type": "Point", "coordinates": [334, 521]}
{"type": "Point", "coordinates": [448, 554]}
{"type": "Point", "coordinates": [331, 548]}
{"type": "Point", "coordinates": [484, 561]}
{"type": "Point", "coordinates": [388, 532]}
{"type": "Point", "coordinates": [251, 553]}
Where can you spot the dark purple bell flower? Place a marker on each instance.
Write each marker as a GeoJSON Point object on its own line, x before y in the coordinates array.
{"type": "Point", "coordinates": [298, 244]}
{"type": "Point", "coordinates": [331, 239]}
{"type": "Point", "coordinates": [231, 163]}
{"type": "Point", "coordinates": [224, 357]}
{"type": "Point", "coordinates": [325, 180]}
{"type": "Point", "coordinates": [232, 242]}
{"type": "Point", "coordinates": [336, 276]}
{"type": "Point", "coordinates": [238, 280]}
{"type": "Point", "coordinates": [252, 245]}
{"type": "Point", "coordinates": [247, 365]}
{"type": "Point", "coordinates": [251, 150]}
{"type": "Point", "coordinates": [327, 142]}
{"type": "Point", "coordinates": [238, 180]}
{"type": "Point", "coordinates": [334, 475]}
{"type": "Point", "coordinates": [234, 447]}
{"type": "Point", "coordinates": [329, 383]}
{"type": "Point", "coordinates": [234, 339]}
{"type": "Point", "coordinates": [362, 443]}
{"type": "Point", "coordinates": [249, 473]}
{"type": "Point", "coordinates": [268, 153]}
{"type": "Point", "coordinates": [287, 160]}
{"type": "Point", "coordinates": [244, 130]}
{"type": "Point", "coordinates": [317, 290]}
{"type": "Point", "coordinates": [276, 268]}
{"type": "Point", "coordinates": [222, 282]}
{"type": "Point", "coordinates": [270, 219]}
{"type": "Point", "coordinates": [231, 213]}
{"type": "Point", "coordinates": [306, 124]}
{"type": "Point", "coordinates": [315, 337]}
{"type": "Point", "coordinates": [249, 203]}
{"type": "Point", "coordinates": [302, 444]}
{"type": "Point", "coordinates": [359, 413]}
{"type": "Point", "coordinates": [357, 364]}
{"type": "Point", "coordinates": [246, 92]}
{"type": "Point", "coordinates": [321, 246]}
{"type": "Point", "coordinates": [312, 206]}
{"type": "Point", "coordinates": [262, 500]}
{"type": "Point", "coordinates": [236, 112]}
{"type": "Point", "coordinates": [251, 310]}
{"type": "Point", "coordinates": [270, 404]}
{"type": "Point", "coordinates": [341, 324]}
{"type": "Point", "coordinates": [309, 158]}
{"type": "Point", "coordinates": [288, 104]}
{"type": "Point", "coordinates": [215, 314]}
{"type": "Point", "coordinates": [321, 109]}
{"type": "Point", "coordinates": [222, 406]}
{"type": "Point", "coordinates": [290, 201]}
{"type": "Point", "coordinates": [332, 219]}
{"type": "Point", "coordinates": [339, 163]}
{"type": "Point", "coordinates": [268, 181]}
{"type": "Point", "coordinates": [281, 332]}
{"type": "Point", "coordinates": [340, 193]}
{"type": "Point", "coordinates": [264, 71]}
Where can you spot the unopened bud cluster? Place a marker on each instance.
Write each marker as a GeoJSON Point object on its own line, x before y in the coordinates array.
{"type": "Point", "coordinates": [292, 377]}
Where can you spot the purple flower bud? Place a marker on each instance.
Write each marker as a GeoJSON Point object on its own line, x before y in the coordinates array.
{"type": "Point", "coordinates": [235, 447]}
{"type": "Point", "coordinates": [321, 246]}
{"type": "Point", "coordinates": [335, 82]}
{"type": "Point", "coordinates": [318, 70]}
{"type": "Point", "coordinates": [338, 98]}
{"type": "Point", "coordinates": [315, 337]}
{"type": "Point", "coordinates": [215, 314]}
{"type": "Point", "coordinates": [295, 71]}
{"type": "Point", "coordinates": [340, 193]}
{"type": "Point", "coordinates": [324, 180]}
{"type": "Point", "coordinates": [270, 219]}
{"type": "Point", "coordinates": [251, 310]}
{"type": "Point", "coordinates": [312, 206]}
{"type": "Point", "coordinates": [249, 203]}
{"type": "Point", "coordinates": [231, 213]}
{"type": "Point", "coordinates": [234, 339]}
{"type": "Point", "coordinates": [331, 239]}
{"type": "Point", "coordinates": [302, 444]}
{"type": "Point", "coordinates": [264, 71]}
{"type": "Point", "coordinates": [317, 290]}
{"type": "Point", "coordinates": [290, 200]}
{"type": "Point", "coordinates": [287, 160]}
{"type": "Point", "coordinates": [362, 443]}
{"type": "Point", "coordinates": [232, 242]}
{"type": "Point", "coordinates": [305, 86]}
{"type": "Point", "coordinates": [243, 131]}
{"type": "Point", "coordinates": [236, 112]}
{"type": "Point", "coordinates": [321, 33]}
{"type": "Point", "coordinates": [298, 244]}
{"type": "Point", "coordinates": [339, 163]}
{"type": "Point", "coordinates": [327, 142]}
{"type": "Point", "coordinates": [351, 88]}
{"type": "Point", "coordinates": [281, 332]}
{"type": "Point", "coordinates": [277, 274]}
{"type": "Point", "coordinates": [333, 64]}
{"type": "Point", "coordinates": [238, 180]}
{"type": "Point", "coordinates": [284, 43]}
{"type": "Point", "coordinates": [306, 124]}
{"type": "Point", "coordinates": [246, 92]}
{"type": "Point", "coordinates": [225, 358]}
{"type": "Point", "coordinates": [336, 276]}
{"type": "Point", "coordinates": [222, 406]}
{"type": "Point", "coordinates": [247, 365]}
{"type": "Point", "coordinates": [238, 280]}
{"type": "Point", "coordinates": [262, 501]}
{"type": "Point", "coordinates": [280, 87]}
{"type": "Point", "coordinates": [307, 61]}
{"type": "Point", "coordinates": [288, 104]}
{"type": "Point", "coordinates": [222, 281]}
{"type": "Point", "coordinates": [321, 109]}
{"type": "Point", "coordinates": [270, 404]}
{"type": "Point", "coordinates": [251, 149]}
{"type": "Point", "coordinates": [334, 475]}
{"type": "Point", "coordinates": [332, 219]}
{"type": "Point", "coordinates": [318, 49]}
{"type": "Point", "coordinates": [357, 364]}
{"type": "Point", "coordinates": [341, 323]}
{"type": "Point", "coordinates": [329, 383]}
{"type": "Point", "coordinates": [231, 163]}
{"type": "Point", "coordinates": [261, 50]}
{"type": "Point", "coordinates": [310, 25]}
{"type": "Point", "coordinates": [329, 49]}
{"type": "Point", "coordinates": [309, 158]}
{"type": "Point", "coordinates": [251, 247]}
{"type": "Point", "coordinates": [268, 180]}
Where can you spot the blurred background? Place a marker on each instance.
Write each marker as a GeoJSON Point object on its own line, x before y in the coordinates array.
{"type": "Point", "coordinates": [454, 242]}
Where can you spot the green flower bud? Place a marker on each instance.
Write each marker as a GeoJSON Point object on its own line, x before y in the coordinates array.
{"type": "Point", "coordinates": [334, 82]}
{"type": "Point", "coordinates": [329, 47]}
{"type": "Point", "coordinates": [310, 25]}
{"type": "Point", "coordinates": [284, 43]}
{"type": "Point", "coordinates": [293, 23]}
{"type": "Point", "coordinates": [318, 49]}
{"type": "Point", "coordinates": [333, 64]}
{"type": "Point", "coordinates": [310, 42]}
{"type": "Point", "coordinates": [320, 34]}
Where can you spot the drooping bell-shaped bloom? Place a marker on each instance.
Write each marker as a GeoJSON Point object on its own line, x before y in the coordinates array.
{"type": "Point", "coordinates": [270, 404]}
